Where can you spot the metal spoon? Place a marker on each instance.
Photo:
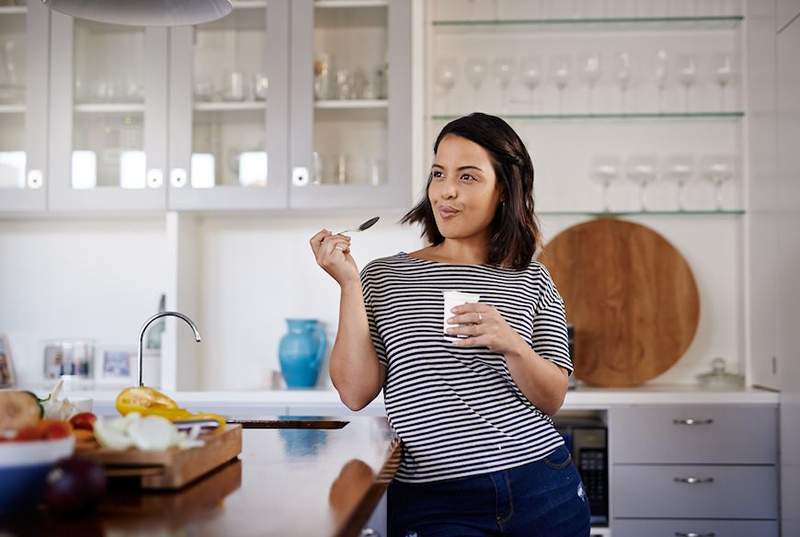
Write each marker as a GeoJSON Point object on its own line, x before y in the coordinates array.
{"type": "Point", "coordinates": [366, 225]}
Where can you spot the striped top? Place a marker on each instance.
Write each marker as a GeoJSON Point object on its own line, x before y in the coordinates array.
{"type": "Point", "coordinates": [457, 410]}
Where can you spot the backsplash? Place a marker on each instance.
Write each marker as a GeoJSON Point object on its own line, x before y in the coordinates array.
{"type": "Point", "coordinates": [102, 278]}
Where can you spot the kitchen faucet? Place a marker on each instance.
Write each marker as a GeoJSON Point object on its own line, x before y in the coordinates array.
{"type": "Point", "coordinates": [153, 318]}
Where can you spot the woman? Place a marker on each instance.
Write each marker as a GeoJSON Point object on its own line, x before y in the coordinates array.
{"type": "Point", "coordinates": [480, 453]}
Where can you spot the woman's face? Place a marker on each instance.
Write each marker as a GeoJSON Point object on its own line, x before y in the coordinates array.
{"type": "Point", "coordinates": [463, 189]}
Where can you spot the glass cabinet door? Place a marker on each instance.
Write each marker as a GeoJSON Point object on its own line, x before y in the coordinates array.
{"type": "Point", "coordinates": [351, 103]}
{"type": "Point", "coordinates": [108, 115]}
{"type": "Point", "coordinates": [23, 105]}
{"type": "Point", "coordinates": [229, 110]}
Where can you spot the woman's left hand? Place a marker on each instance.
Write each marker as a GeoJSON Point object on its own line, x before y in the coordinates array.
{"type": "Point", "coordinates": [484, 326]}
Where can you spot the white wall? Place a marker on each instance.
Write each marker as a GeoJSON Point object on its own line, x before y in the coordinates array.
{"type": "Point", "coordinates": [77, 279]}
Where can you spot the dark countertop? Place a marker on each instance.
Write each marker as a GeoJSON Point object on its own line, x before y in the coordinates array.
{"type": "Point", "coordinates": [287, 481]}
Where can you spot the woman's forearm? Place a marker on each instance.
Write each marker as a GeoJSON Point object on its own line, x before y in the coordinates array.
{"type": "Point", "coordinates": [540, 380]}
{"type": "Point", "coordinates": [354, 367]}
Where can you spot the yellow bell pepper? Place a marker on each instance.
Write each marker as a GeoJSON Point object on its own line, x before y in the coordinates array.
{"type": "Point", "coordinates": [151, 402]}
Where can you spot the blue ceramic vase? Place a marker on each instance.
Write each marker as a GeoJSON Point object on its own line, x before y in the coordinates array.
{"type": "Point", "coordinates": [301, 351]}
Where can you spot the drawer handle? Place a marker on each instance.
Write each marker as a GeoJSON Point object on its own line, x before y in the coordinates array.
{"type": "Point", "coordinates": [693, 421]}
{"type": "Point", "coordinates": [694, 480]}
{"type": "Point", "coordinates": [694, 534]}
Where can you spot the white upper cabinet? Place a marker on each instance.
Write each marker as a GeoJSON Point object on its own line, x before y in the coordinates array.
{"type": "Point", "coordinates": [229, 113]}
{"type": "Point", "coordinates": [108, 116]}
{"type": "Point", "coordinates": [351, 104]}
{"type": "Point", "coordinates": [23, 107]}
{"type": "Point", "coordinates": [278, 105]}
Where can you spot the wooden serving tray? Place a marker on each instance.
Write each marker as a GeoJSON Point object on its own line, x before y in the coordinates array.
{"type": "Point", "coordinates": [172, 468]}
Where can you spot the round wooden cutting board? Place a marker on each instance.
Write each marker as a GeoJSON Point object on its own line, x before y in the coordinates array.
{"type": "Point", "coordinates": [630, 296]}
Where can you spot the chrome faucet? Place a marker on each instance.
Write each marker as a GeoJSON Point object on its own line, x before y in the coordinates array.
{"type": "Point", "coordinates": [158, 316]}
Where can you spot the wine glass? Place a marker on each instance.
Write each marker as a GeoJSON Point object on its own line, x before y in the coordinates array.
{"type": "Point", "coordinates": [722, 67]}
{"type": "Point", "coordinates": [531, 74]}
{"type": "Point", "coordinates": [445, 74]}
{"type": "Point", "coordinates": [661, 74]}
{"type": "Point", "coordinates": [623, 73]}
{"type": "Point", "coordinates": [605, 169]}
{"type": "Point", "coordinates": [642, 170]}
{"type": "Point", "coordinates": [687, 74]}
{"type": "Point", "coordinates": [718, 169]}
{"type": "Point", "coordinates": [475, 72]}
{"type": "Point", "coordinates": [561, 73]}
{"type": "Point", "coordinates": [503, 68]}
{"type": "Point", "coordinates": [591, 70]}
{"type": "Point", "coordinates": [680, 169]}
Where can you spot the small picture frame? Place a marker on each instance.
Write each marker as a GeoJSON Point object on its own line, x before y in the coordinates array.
{"type": "Point", "coordinates": [117, 364]}
{"type": "Point", "coordinates": [7, 378]}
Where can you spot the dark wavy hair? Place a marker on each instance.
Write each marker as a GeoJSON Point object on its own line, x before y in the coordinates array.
{"type": "Point", "coordinates": [515, 235]}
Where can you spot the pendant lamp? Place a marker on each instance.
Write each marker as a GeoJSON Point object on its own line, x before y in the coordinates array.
{"type": "Point", "coordinates": [144, 12]}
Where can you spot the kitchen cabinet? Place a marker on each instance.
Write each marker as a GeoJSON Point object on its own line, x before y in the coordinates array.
{"type": "Point", "coordinates": [351, 104]}
{"type": "Point", "coordinates": [672, 464]}
{"type": "Point", "coordinates": [108, 116]}
{"type": "Point", "coordinates": [23, 106]}
{"type": "Point", "coordinates": [229, 113]}
{"type": "Point", "coordinates": [214, 117]}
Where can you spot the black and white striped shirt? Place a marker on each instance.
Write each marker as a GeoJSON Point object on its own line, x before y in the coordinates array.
{"type": "Point", "coordinates": [457, 410]}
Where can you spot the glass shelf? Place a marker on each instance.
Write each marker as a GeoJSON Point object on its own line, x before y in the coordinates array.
{"type": "Point", "coordinates": [350, 3]}
{"type": "Point", "coordinates": [109, 108]}
{"type": "Point", "coordinates": [12, 108]}
{"type": "Point", "coordinates": [605, 214]}
{"type": "Point", "coordinates": [249, 4]}
{"type": "Point", "coordinates": [229, 106]}
{"type": "Point", "coordinates": [13, 10]}
{"type": "Point", "coordinates": [351, 104]}
{"type": "Point", "coordinates": [604, 24]}
{"type": "Point", "coordinates": [634, 115]}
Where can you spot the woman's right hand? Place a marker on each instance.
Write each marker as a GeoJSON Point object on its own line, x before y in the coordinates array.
{"type": "Point", "coordinates": [333, 255]}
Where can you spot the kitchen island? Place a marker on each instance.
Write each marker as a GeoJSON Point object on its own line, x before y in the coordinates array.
{"type": "Point", "coordinates": [287, 481]}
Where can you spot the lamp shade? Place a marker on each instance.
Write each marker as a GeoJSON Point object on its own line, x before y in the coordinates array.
{"type": "Point", "coordinates": [144, 12]}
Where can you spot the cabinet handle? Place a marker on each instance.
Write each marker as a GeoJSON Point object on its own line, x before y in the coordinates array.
{"type": "Point", "coordinates": [300, 176]}
{"type": "Point", "coordinates": [155, 178]}
{"type": "Point", "coordinates": [693, 421]}
{"type": "Point", "coordinates": [694, 480]}
{"type": "Point", "coordinates": [177, 177]}
{"type": "Point", "coordinates": [694, 534]}
{"type": "Point", "coordinates": [35, 179]}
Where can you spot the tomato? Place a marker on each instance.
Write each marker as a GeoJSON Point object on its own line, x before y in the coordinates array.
{"type": "Point", "coordinates": [84, 420]}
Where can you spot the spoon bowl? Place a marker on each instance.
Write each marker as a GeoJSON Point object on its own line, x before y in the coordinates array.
{"type": "Point", "coordinates": [363, 227]}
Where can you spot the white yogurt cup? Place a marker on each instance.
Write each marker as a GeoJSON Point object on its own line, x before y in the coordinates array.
{"type": "Point", "coordinates": [451, 300]}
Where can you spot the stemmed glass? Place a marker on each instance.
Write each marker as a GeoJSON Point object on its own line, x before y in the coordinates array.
{"type": "Point", "coordinates": [622, 69]}
{"type": "Point", "coordinates": [561, 73]}
{"type": "Point", "coordinates": [531, 74]}
{"type": "Point", "coordinates": [591, 70]}
{"type": "Point", "coordinates": [723, 73]}
{"type": "Point", "coordinates": [475, 72]}
{"type": "Point", "coordinates": [445, 76]}
{"type": "Point", "coordinates": [605, 169]}
{"type": "Point", "coordinates": [661, 74]}
{"type": "Point", "coordinates": [687, 74]}
{"type": "Point", "coordinates": [642, 170]}
{"type": "Point", "coordinates": [718, 169]}
{"type": "Point", "coordinates": [503, 68]}
{"type": "Point", "coordinates": [680, 169]}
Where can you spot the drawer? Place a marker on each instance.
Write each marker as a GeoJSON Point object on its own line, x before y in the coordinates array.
{"type": "Point", "coordinates": [694, 528]}
{"type": "Point", "coordinates": [702, 434]}
{"type": "Point", "coordinates": [640, 491]}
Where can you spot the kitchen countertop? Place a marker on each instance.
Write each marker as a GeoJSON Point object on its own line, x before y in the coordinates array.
{"type": "Point", "coordinates": [581, 398]}
{"type": "Point", "coordinates": [287, 482]}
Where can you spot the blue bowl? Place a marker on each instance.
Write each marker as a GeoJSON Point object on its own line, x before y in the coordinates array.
{"type": "Point", "coordinates": [24, 467]}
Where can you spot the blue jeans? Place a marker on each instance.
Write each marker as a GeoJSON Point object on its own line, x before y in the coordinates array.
{"type": "Point", "coordinates": [543, 498]}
